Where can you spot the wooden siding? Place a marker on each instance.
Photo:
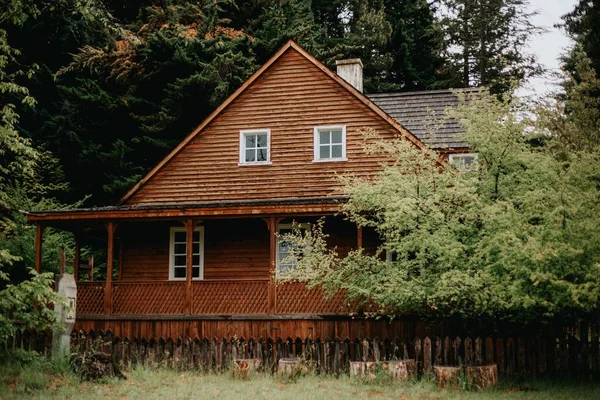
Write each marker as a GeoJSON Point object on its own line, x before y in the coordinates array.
{"type": "Point", "coordinates": [233, 249]}
{"type": "Point", "coordinates": [408, 327]}
{"type": "Point", "coordinates": [290, 98]}
{"type": "Point", "coordinates": [236, 249]}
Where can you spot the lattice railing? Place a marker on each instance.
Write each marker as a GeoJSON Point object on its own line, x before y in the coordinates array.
{"type": "Point", "coordinates": [90, 298]}
{"type": "Point", "coordinates": [230, 297]}
{"type": "Point", "coordinates": [146, 298]}
{"type": "Point", "coordinates": [294, 298]}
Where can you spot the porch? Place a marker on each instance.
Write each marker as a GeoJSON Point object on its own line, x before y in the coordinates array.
{"type": "Point", "coordinates": [149, 273]}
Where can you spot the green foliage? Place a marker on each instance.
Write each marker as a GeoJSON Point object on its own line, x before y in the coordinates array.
{"type": "Point", "coordinates": [486, 42]}
{"type": "Point", "coordinates": [515, 238]}
{"type": "Point", "coordinates": [27, 305]}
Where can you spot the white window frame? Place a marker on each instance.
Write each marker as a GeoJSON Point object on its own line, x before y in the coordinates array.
{"type": "Point", "coordinates": [317, 143]}
{"type": "Point", "coordinates": [199, 229]}
{"type": "Point", "coordinates": [452, 156]}
{"type": "Point", "coordinates": [243, 134]}
{"type": "Point", "coordinates": [280, 227]}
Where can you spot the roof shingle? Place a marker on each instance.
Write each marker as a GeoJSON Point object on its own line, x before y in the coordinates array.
{"type": "Point", "coordinates": [423, 114]}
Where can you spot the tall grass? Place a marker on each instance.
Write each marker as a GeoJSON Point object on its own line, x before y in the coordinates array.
{"type": "Point", "coordinates": [25, 375]}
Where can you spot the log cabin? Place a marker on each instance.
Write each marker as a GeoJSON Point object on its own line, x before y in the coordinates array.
{"type": "Point", "coordinates": [193, 248]}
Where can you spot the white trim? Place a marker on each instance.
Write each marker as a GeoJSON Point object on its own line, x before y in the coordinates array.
{"type": "Point", "coordinates": [305, 226]}
{"type": "Point", "coordinates": [316, 143]}
{"type": "Point", "coordinates": [242, 157]}
{"type": "Point", "coordinates": [172, 252]}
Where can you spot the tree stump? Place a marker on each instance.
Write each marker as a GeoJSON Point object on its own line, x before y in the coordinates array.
{"type": "Point", "coordinates": [483, 376]}
{"type": "Point", "coordinates": [291, 367]}
{"type": "Point", "coordinates": [398, 370]}
{"type": "Point", "coordinates": [446, 375]}
{"type": "Point", "coordinates": [401, 370]}
{"type": "Point", "coordinates": [245, 367]}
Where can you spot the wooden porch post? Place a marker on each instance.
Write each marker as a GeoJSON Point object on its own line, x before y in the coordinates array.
{"type": "Point", "coordinates": [39, 238]}
{"type": "Point", "coordinates": [189, 260]}
{"type": "Point", "coordinates": [110, 227]}
{"type": "Point", "coordinates": [271, 301]}
{"type": "Point", "coordinates": [76, 257]}
{"type": "Point", "coordinates": [359, 237]}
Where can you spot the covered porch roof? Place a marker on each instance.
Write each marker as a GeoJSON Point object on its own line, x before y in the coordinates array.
{"type": "Point", "coordinates": [210, 209]}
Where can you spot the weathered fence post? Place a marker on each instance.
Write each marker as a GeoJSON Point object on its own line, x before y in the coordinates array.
{"type": "Point", "coordinates": [65, 315]}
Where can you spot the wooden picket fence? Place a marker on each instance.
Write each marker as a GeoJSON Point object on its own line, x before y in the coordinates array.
{"type": "Point", "coordinates": [565, 356]}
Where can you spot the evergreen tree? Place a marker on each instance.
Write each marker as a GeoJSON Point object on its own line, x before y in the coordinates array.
{"type": "Point", "coordinates": [583, 25]}
{"type": "Point", "coordinates": [486, 42]}
{"type": "Point", "coordinates": [164, 74]}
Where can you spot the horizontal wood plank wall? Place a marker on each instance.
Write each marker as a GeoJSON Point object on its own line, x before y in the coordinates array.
{"type": "Point", "coordinates": [404, 327]}
{"type": "Point", "coordinates": [145, 251]}
{"type": "Point", "coordinates": [233, 249]}
{"type": "Point", "coordinates": [290, 98]}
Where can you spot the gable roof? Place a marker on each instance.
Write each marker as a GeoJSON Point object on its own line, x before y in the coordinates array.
{"type": "Point", "coordinates": [414, 109]}
{"type": "Point", "coordinates": [290, 45]}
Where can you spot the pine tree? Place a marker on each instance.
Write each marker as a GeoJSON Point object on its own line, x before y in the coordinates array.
{"type": "Point", "coordinates": [486, 42]}
{"type": "Point", "coordinates": [157, 81]}
{"type": "Point", "coordinates": [583, 25]}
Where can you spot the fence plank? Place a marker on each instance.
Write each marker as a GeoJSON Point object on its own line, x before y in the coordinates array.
{"type": "Point", "coordinates": [500, 356]}
{"type": "Point", "coordinates": [511, 357]}
{"type": "Point", "coordinates": [521, 356]}
{"type": "Point", "coordinates": [427, 354]}
{"type": "Point", "coordinates": [468, 351]}
{"type": "Point", "coordinates": [478, 351]}
{"type": "Point", "coordinates": [438, 351]}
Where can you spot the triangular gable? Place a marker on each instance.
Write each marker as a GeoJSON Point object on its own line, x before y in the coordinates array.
{"type": "Point", "coordinates": [289, 45]}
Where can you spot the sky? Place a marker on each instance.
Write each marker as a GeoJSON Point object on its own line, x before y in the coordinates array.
{"type": "Point", "coordinates": [548, 46]}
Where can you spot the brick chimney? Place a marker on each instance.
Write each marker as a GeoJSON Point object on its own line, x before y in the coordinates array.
{"type": "Point", "coordinates": [351, 71]}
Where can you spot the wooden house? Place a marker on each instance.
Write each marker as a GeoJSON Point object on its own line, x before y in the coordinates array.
{"type": "Point", "coordinates": [267, 156]}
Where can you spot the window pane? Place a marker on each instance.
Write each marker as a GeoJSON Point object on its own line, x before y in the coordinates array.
{"type": "Point", "coordinates": [179, 272]}
{"type": "Point", "coordinates": [250, 141]}
{"type": "Point", "coordinates": [179, 261]}
{"type": "Point", "coordinates": [336, 137]}
{"type": "Point", "coordinates": [261, 155]}
{"type": "Point", "coordinates": [196, 248]}
{"type": "Point", "coordinates": [324, 137]}
{"type": "Point", "coordinates": [324, 152]}
{"type": "Point", "coordinates": [261, 140]}
{"type": "Point", "coordinates": [196, 260]}
{"type": "Point", "coordinates": [179, 248]}
{"type": "Point", "coordinates": [284, 246]}
{"type": "Point", "coordinates": [250, 156]}
{"type": "Point", "coordinates": [195, 272]}
{"type": "Point", "coordinates": [336, 151]}
{"type": "Point", "coordinates": [196, 236]}
{"type": "Point", "coordinates": [180, 237]}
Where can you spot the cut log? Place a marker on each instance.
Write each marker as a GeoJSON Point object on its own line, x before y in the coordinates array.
{"type": "Point", "coordinates": [446, 375]}
{"type": "Point", "coordinates": [245, 367]}
{"type": "Point", "coordinates": [398, 370]}
{"type": "Point", "coordinates": [483, 376]}
{"type": "Point", "coordinates": [292, 367]}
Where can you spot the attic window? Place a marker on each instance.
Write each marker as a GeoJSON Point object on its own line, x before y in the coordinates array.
{"type": "Point", "coordinates": [255, 147]}
{"type": "Point", "coordinates": [463, 161]}
{"type": "Point", "coordinates": [330, 143]}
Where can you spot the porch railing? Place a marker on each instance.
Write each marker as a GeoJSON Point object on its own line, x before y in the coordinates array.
{"type": "Point", "coordinates": [90, 298]}
{"type": "Point", "coordinates": [230, 297]}
{"type": "Point", "coordinates": [208, 297]}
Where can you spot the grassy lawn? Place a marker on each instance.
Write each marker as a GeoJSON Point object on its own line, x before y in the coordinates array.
{"type": "Point", "coordinates": [44, 379]}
